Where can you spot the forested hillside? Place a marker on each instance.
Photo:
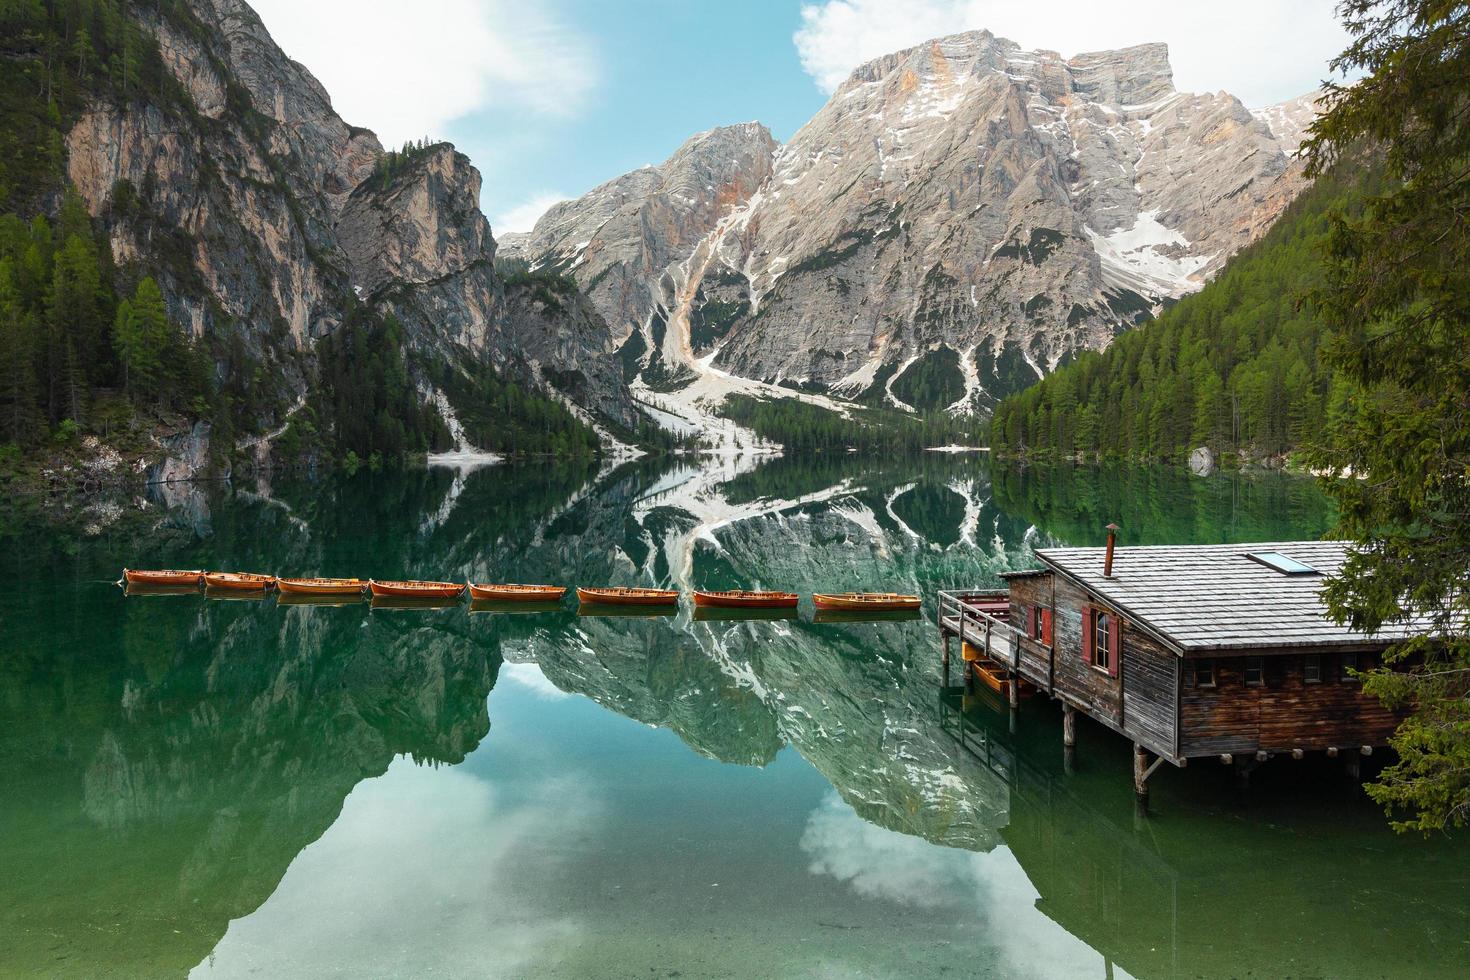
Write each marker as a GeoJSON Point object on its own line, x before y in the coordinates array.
{"type": "Point", "coordinates": [1234, 367]}
{"type": "Point", "coordinates": [90, 345]}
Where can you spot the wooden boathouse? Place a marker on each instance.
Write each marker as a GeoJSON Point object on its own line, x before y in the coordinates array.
{"type": "Point", "coordinates": [1220, 652]}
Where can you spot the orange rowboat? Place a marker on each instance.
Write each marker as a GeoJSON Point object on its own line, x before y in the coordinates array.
{"type": "Point", "coordinates": [999, 680]}
{"type": "Point", "coordinates": [322, 586]}
{"type": "Point", "coordinates": [517, 593]}
{"type": "Point", "coordinates": [417, 590]}
{"type": "Point", "coordinates": [629, 597]}
{"type": "Point", "coordinates": [741, 599]}
{"type": "Point", "coordinates": [238, 581]}
{"type": "Point", "coordinates": [169, 576]}
{"type": "Point", "coordinates": [866, 601]}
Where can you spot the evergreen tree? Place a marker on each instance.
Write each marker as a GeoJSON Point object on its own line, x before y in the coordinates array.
{"type": "Point", "coordinates": [1397, 292]}
{"type": "Point", "coordinates": [141, 333]}
{"type": "Point", "coordinates": [20, 420]}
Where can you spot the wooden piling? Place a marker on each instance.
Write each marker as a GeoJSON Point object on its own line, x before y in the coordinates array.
{"type": "Point", "coordinates": [1140, 776]}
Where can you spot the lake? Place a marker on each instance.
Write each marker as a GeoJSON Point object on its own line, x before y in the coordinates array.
{"type": "Point", "coordinates": [247, 788]}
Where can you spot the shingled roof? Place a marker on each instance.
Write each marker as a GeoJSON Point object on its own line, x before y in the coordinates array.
{"type": "Point", "coordinates": [1214, 597]}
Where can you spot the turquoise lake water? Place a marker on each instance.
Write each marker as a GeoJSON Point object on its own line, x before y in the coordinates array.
{"type": "Point", "coordinates": [246, 788]}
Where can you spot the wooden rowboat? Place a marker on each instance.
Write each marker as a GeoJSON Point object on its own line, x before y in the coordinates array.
{"type": "Point", "coordinates": [866, 601]}
{"type": "Point", "coordinates": [416, 590]}
{"type": "Point", "coordinates": [999, 679]}
{"type": "Point", "coordinates": [629, 597]}
{"type": "Point", "coordinates": [742, 599]}
{"type": "Point", "coordinates": [322, 586]}
{"type": "Point", "coordinates": [167, 576]}
{"type": "Point", "coordinates": [238, 581]}
{"type": "Point", "coordinates": [517, 593]}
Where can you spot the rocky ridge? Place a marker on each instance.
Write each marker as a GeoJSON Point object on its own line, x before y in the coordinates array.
{"type": "Point", "coordinates": [963, 209]}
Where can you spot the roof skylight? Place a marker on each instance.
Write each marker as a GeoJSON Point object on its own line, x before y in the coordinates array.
{"type": "Point", "coordinates": [1284, 564]}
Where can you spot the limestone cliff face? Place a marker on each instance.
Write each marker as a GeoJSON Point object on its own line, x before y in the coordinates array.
{"type": "Point", "coordinates": [620, 238]}
{"type": "Point", "coordinates": [964, 208]}
{"type": "Point", "coordinates": [418, 245]}
{"type": "Point", "coordinates": [258, 208]}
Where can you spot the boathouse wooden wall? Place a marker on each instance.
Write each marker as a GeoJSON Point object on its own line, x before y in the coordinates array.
{"type": "Point", "coordinates": [1140, 701]}
{"type": "Point", "coordinates": [1281, 713]}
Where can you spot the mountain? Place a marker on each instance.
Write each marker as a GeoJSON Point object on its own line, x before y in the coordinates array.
{"type": "Point", "coordinates": [210, 161]}
{"type": "Point", "coordinates": [1233, 368]}
{"type": "Point", "coordinates": [621, 237]}
{"type": "Point", "coordinates": [960, 219]}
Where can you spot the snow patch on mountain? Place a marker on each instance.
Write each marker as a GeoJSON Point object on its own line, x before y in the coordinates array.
{"type": "Point", "coordinates": [1149, 258]}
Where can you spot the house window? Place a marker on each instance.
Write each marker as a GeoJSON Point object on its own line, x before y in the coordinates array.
{"type": "Point", "coordinates": [1204, 673]}
{"type": "Point", "coordinates": [1253, 671]}
{"type": "Point", "coordinates": [1102, 646]}
{"type": "Point", "coordinates": [1347, 663]}
{"type": "Point", "coordinates": [1036, 612]}
{"type": "Point", "coordinates": [1312, 669]}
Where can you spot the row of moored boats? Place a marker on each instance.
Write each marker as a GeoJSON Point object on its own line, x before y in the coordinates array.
{"type": "Point", "coordinates": [248, 582]}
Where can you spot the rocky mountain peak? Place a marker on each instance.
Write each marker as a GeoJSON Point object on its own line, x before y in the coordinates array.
{"type": "Point", "coordinates": [620, 237]}
{"type": "Point", "coordinates": [1128, 76]}
{"type": "Point", "coordinates": [958, 219]}
{"type": "Point", "coordinates": [415, 224]}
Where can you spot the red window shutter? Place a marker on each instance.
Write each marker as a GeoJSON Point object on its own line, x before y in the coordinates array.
{"type": "Point", "coordinates": [1115, 645]}
{"type": "Point", "coordinates": [1089, 627]}
{"type": "Point", "coordinates": [1046, 626]}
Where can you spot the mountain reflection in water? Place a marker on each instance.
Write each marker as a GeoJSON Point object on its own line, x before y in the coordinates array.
{"type": "Point", "coordinates": [293, 790]}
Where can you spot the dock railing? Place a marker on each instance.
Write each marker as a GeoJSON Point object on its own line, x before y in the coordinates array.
{"type": "Point", "coordinates": [1000, 641]}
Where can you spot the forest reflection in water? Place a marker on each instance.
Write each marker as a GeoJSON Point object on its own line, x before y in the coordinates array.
{"type": "Point", "coordinates": [225, 787]}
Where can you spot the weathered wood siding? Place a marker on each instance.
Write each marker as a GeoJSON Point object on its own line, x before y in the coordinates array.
{"type": "Point", "coordinates": [1139, 702]}
{"type": "Point", "coordinates": [1150, 684]}
{"type": "Point", "coordinates": [1282, 713]}
{"type": "Point", "coordinates": [1027, 595]}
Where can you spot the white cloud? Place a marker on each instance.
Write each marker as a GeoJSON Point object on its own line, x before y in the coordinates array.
{"type": "Point", "coordinates": [523, 216]}
{"type": "Point", "coordinates": [1263, 51]}
{"type": "Point", "coordinates": [409, 70]}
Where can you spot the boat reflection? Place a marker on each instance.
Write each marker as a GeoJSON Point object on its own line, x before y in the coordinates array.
{"type": "Point", "coordinates": [603, 610]}
{"type": "Point", "coordinates": [718, 614]}
{"type": "Point", "coordinates": [860, 616]}
{"type": "Point", "coordinates": [492, 607]}
{"type": "Point", "coordinates": [410, 602]}
{"type": "Point", "coordinates": [133, 590]}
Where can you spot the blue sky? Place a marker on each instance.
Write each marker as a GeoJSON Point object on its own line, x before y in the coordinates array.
{"type": "Point", "coordinates": [551, 97]}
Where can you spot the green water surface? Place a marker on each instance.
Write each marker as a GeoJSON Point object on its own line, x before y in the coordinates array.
{"type": "Point", "coordinates": [222, 789]}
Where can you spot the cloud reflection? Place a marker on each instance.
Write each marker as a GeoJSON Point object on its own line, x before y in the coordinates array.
{"type": "Point", "coordinates": [530, 677]}
{"type": "Point", "coordinates": [989, 887]}
{"type": "Point", "coordinates": [419, 875]}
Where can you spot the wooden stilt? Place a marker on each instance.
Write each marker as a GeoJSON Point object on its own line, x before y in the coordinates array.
{"type": "Point", "coordinates": [945, 660]}
{"type": "Point", "coordinates": [1069, 738]}
{"type": "Point", "coordinates": [1140, 776]}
